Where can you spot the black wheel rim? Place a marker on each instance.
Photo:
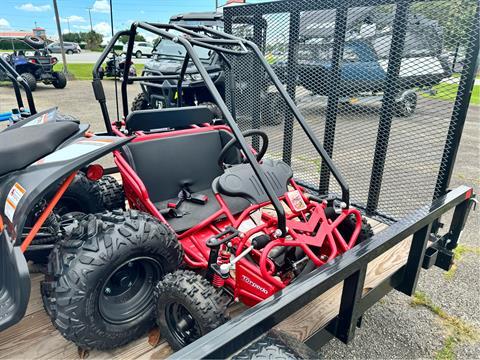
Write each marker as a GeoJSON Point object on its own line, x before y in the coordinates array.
{"type": "Point", "coordinates": [183, 326]}
{"type": "Point", "coordinates": [128, 291]}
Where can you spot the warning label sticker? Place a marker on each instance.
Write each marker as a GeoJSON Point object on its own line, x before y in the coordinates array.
{"type": "Point", "coordinates": [14, 196]}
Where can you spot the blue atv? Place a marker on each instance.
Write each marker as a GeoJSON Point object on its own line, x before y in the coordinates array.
{"type": "Point", "coordinates": [36, 64]}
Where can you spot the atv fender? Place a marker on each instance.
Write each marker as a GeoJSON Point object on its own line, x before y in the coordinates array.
{"type": "Point", "coordinates": [21, 190]}
{"type": "Point", "coordinates": [14, 283]}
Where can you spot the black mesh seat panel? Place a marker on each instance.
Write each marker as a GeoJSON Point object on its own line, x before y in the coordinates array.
{"type": "Point", "coordinates": [23, 146]}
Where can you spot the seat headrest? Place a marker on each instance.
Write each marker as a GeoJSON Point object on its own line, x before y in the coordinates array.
{"type": "Point", "coordinates": [147, 120]}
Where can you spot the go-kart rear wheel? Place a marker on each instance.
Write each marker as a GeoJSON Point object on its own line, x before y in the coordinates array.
{"type": "Point", "coordinates": [112, 193]}
{"type": "Point", "coordinates": [30, 79]}
{"type": "Point", "coordinates": [60, 80]}
{"type": "Point", "coordinates": [82, 195]}
{"type": "Point", "coordinates": [99, 289]}
{"type": "Point", "coordinates": [347, 227]}
{"type": "Point", "coordinates": [188, 307]}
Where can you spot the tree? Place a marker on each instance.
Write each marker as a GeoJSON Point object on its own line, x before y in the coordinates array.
{"type": "Point", "coordinates": [72, 37]}
{"type": "Point", "coordinates": [138, 37]}
{"type": "Point", "coordinates": [93, 40]}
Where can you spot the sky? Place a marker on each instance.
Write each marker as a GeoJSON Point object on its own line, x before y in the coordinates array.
{"type": "Point", "coordinates": [25, 14]}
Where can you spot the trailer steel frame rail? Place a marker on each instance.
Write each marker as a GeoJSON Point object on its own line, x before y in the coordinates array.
{"type": "Point", "coordinates": [425, 251]}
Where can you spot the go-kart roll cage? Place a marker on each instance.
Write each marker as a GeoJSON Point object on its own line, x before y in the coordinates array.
{"type": "Point", "coordinates": [17, 80]}
{"type": "Point", "coordinates": [221, 43]}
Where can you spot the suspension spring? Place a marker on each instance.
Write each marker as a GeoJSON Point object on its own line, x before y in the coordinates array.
{"type": "Point", "coordinates": [223, 258]}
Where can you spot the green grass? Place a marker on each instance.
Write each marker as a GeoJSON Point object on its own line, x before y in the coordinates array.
{"type": "Point", "coordinates": [459, 252]}
{"type": "Point", "coordinates": [448, 92]}
{"type": "Point", "coordinates": [457, 330]}
{"type": "Point", "coordinates": [84, 71]}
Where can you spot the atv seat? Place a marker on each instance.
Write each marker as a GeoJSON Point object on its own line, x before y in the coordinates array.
{"type": "Point", "coordinates": [146, 120]}
{"type": "Point", "coordinates": [168, 165]}
{"type": "Point", "coordinates": [23, 146]}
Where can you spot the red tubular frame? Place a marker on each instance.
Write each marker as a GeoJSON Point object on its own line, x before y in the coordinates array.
{"type": "Point", "coordinates": [318, 234]}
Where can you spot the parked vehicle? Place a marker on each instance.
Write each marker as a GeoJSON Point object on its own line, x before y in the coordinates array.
{"type": "Point", "coordinates": [208, 221]}
{"type": "Point", "coordinates": [70, 48]}
{"type": "Point", "coordinates": [167, 61]}
{"type": "Point", "coordinates": [7, 72]}
{"type": "Point", "coordinates": [363, 67]}
{"type": "Point", "coordinates": [36, 65]}
{"type": "Point", "coordinates": [39, 164]}
{"type": "Point", "coordinates": [140, 49]}
{"type": "Point", "coordinates": [115, 65]}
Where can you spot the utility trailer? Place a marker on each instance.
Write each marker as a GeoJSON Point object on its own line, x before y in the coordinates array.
{"type": "Point", "coordinates": [410, 234]}
{"type": "Point", "coordinates": [331, 300]}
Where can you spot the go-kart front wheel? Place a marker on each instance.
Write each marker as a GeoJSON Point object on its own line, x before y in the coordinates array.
{"type": "Point", "coordinates": [188, 307]}
{"type": "Point", "coordinates": [99, 288]}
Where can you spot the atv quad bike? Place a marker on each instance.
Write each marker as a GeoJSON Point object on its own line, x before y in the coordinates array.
{"type": "Point", "coordinates": [31, 185]}
{"type": "Point", "coordinates": [246, 228]}
{"type": "Point", "coordinates": [7, 72]}
{"type": "Point", "coordinates": [82, 196]}
{"type": "Point", "coordinates": [120, 253]}
{"type": "Point", "coordinates": [36, 64]}
{"type": "Point", "coordinates": [115, 65]}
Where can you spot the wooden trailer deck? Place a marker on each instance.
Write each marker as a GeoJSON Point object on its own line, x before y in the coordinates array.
{"type": "Point", "coordinates": [36, 338]}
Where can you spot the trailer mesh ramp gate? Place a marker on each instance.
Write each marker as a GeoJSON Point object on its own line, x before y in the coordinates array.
{"type": "Point", "coordinates": [384, 84]}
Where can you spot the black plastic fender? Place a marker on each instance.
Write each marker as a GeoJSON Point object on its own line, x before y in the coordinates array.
{"type": "Point", "coordinates": [21, 190]}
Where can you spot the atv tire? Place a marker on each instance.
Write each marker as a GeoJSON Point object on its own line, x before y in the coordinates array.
{"type": "Point", "coordinates": [60, 80]}
{"type": "Point", "coordinates": [276, 345]}
{"type": "Point", "coordinates": [190, 298]}
{"type": "Point", "coordinates": [34, 41]}
{"type": "Point", "coordinates": [406, 107]}
{"type": "Point", "coordinates": [31, 80]}
{"type": "Point", "coordinates": [273, 109]}
{"type": "Point", "coordinates": [66, 117]}
{"type": "Point", "coordinates": [140, 102]}
{"type": "Point", "coordinates": [82, 195]}
{"type": "Point", "coordinates": [99, 287]}
{"type": "Point", "coordinates": [112, 193]}
{"type": "Point", "coordinates": [347, 227]}
{"type": "Point", "coordinates": [217, 113]}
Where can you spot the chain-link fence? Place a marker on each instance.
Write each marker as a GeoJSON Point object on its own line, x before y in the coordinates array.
{"type": "Point", "coordinates": [384, 85]}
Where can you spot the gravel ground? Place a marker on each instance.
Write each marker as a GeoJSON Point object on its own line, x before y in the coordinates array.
{"type": "Point", "coordinates": [392, 328]}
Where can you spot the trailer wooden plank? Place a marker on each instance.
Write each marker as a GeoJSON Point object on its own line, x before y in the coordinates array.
{"type": "Point", "coordinates": [323, 309]}
{"type": "Point", "coordinates": [36, 338]}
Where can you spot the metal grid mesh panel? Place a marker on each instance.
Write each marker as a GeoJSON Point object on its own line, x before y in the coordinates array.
{"type": "Point", "coordinates": [383, 84]}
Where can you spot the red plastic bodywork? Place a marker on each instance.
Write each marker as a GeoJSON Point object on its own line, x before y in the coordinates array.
{"type": "Point", "coordinates": [250, 282]}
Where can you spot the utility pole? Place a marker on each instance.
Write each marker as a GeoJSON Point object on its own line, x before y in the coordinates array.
{"type": "Point", "coordinates": [90, 16]}
{"type": "Point", "coordinates": [60, 38]}
{"type": "Point", "coordinates": [216, 5]}
{"type": "Point", "coordinates": [68, 24]}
